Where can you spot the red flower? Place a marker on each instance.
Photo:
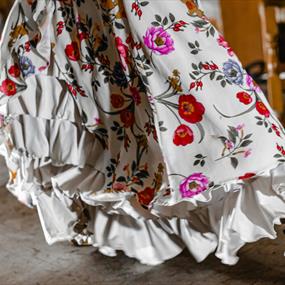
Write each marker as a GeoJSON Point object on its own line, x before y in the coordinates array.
{"type": "Point", "coordinates": [117, 100]}
{"type": "Point", "coordinates": [72, 51]}
{"type": "Point", "coordinates": [83, 36]}
{"type": "Point", "coordinates": [14, 70]}
{"type": "Point", "coordinates": [127, 117]}
{"type": "Point", "coordinates": [192, 85]}
{"type": "Point", "coordinates": [213, 66]}
{"type": "Point", "coordinates": [276, 130]}
{"type": "Point", "coordinates": [247, 175]}
{"type": "Point", "coordinates": [183, 135]}
{"type": "Point", "coordinates": [146, 196]}
{"type": "Point", "coordinates": [199, 84]}
{"type": "Point", "coordinates": [8, 87]}
{"type": "Point", "coordinates": [60, 26]}
{"type": "Point", "coordinates": [71, 89]}
{"type": "Point", "coordinates": [189, 109]}
{"type": "Point", "coordinates": [177, 27]}
{"type": "Point", "coordinates": [280, 149]}
{"type": "Point", "coordinates": [244, 97]}
{"type": "Point", "coordinates": [261, 109]}
{"type": "Point", "coordinates": [27, 46]}
{"type": "Point", "coordinates": [134, 6]}
{"type": "Point", "coordinates": [182, 22]}
{"type": "Point", "coordinates": [206, 66]}
{"type": "Point", "coordinates": [136, 94]}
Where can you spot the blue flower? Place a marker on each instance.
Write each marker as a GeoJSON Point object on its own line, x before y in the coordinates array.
{"type": "Point", "coordinates": [26, 66]}
{"type": "Point", "coordinates": [233, 72]}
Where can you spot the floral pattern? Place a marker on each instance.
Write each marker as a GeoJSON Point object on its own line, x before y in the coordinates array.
{"type": "Point", "coordinates": [172, 117]}
{"type": "Point", "coordinates": [193, 185]}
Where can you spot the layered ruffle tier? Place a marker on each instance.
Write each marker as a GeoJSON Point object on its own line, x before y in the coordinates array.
{"type": "Point", "coordinates": [57, 164]}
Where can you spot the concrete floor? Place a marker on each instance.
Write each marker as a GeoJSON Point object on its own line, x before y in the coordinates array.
{"type": "Point", "coordinates": [25, 258]}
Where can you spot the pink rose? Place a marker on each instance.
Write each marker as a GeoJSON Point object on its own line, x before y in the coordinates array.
{"type": "Point", "coordinates": [193, 185]}
{"type": "Point", "coordinates": [158, 40]}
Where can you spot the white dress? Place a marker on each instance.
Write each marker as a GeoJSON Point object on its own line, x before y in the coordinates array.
{"type": "Point", "coordinates": [131, 125]}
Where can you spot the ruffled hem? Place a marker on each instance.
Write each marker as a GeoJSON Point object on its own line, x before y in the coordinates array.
{"type": "Point", "coordinates": [54, 174]}
{"type": "Point", "coordinates": [238, 213]}
{"type": "Point", "coordinates": [66, 186]}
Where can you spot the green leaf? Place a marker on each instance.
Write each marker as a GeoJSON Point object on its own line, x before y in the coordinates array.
{"type": "Point", "coordinates": [144, 3]}
{"type": "Point", "coordinates": [196, 162]}
{"type": "Point", "coordinates": [121, 179]}
{"type": "Point", "coordinates": [191, 45]}
{"type": "Point", "coordinates": [165, 21]}
{"type": "Point", "coordinates": [246, 143]}
{"type": "Point", "coordinates": [223, 139]}
{"type": "Point", "coordinates": [277, 155]}
{"type": "Point", "coordinates": [212, 75]}
{"type": "Point", "coordinates": [156, 24]}
{"type": "Point", "coordinates": [247, 136]}
{"type": "Point", "coordinates": [192, 76]}
{"type": "Point", "coordinates": [199, 155]}
{"type": "Point", "coordinates": [234, 162]}
{"type": "Point", "coordinates": [171, 17]}
{"type": "Point", "coordinates": [233, 130]}
{"type": "Point", "coordinates": [119, 25]}
{"type": "Point", "coordinates": [212, 31]}
{"type": "Point", "coordinates": [158, 18]}
{"type": "Point", "coordinates": [194, 66]}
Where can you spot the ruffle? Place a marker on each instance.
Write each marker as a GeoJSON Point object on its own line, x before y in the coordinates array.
{"type": "Point", "coordinates": [45, 97]}
{"type": "Point", "coordinates": [240, 214]}
{"type": "Point", "coordinates": [60, 178]}
{"type": "Point", "coordinates": [57, 166]}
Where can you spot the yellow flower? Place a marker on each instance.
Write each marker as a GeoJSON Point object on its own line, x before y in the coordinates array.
{"type": "Point", "coordinates": [13, 175]}
{"type": "Point", "coordinates": [18, 31]}
{"type": "Point", "coordinates": [160, 167]}
{"type": "Point", "coordinates": [193, 8]}
{"type": "Point", "coordinates": [175, 83]}
{"type": "Point", "coordinates": [176, 72]}
{"type": "Point", "coordinates": [121, 13]}
{"type": "Point", "coordinates": [109, 4]}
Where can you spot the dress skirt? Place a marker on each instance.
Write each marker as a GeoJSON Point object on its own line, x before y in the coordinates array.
{"type": "Point", "coordinates": [131, 125]}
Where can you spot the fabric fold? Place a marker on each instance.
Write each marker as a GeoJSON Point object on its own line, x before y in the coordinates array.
{"type": "Point", "coordinates": [134, 127]}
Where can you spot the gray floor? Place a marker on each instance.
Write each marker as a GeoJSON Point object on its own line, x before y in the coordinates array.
{"type": "Point", "coordinates": [25, 258]}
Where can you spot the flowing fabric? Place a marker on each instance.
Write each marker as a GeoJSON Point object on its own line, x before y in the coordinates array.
{"type": "Point", "coordinates": [131, 125]}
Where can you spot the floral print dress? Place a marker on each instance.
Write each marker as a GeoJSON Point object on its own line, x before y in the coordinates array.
{"type": "Point", "coordinates": [131, 125]}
